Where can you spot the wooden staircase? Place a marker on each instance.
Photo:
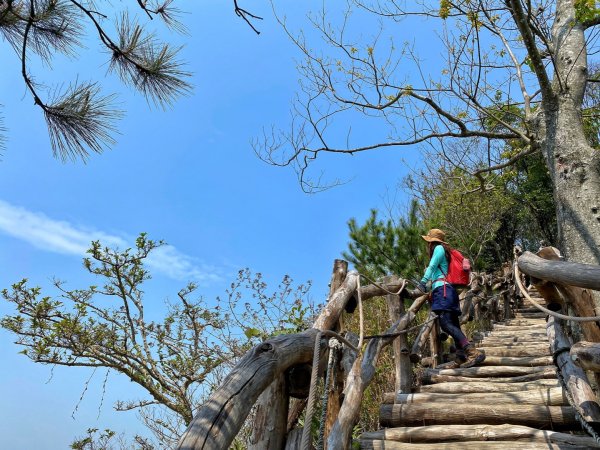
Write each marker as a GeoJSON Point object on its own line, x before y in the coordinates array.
{"type": "Point", "coordinates": [512, 401]}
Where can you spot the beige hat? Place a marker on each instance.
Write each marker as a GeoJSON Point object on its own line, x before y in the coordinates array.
{"type": "Point", "coordinates": [435, 235]}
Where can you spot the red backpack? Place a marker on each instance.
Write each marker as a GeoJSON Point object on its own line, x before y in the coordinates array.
{"type": "Point", "coordinates": [459, 269]}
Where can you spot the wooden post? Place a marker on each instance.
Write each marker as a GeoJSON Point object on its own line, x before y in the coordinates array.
{"type": "Point", "coordinates": [270, 420]}
{"type": "Point", "coordinates": [435, 345]}
{"type": "Point", "coordinates": [334, 402]}
{"type": "Point", "coordinates": [416, 353]}
{"type": "Point", "coordinates": [575, 379]}
{"type": "Point", "coordinates": [402, 364]}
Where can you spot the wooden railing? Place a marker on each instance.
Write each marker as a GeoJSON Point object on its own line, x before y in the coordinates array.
{"type": "Point", "coordinates": [274, 377]}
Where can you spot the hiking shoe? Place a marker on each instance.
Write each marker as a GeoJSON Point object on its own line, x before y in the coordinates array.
{"type": "Point", "coordinates": [474, 357]}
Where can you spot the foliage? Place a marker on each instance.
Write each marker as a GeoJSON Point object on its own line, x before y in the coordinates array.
{"type": "Point", "coordinates": [79, 117]}
{"type": "Point", "coordinates": [178, 359]}
{"type": "Point", "coordinates": [384, 247]}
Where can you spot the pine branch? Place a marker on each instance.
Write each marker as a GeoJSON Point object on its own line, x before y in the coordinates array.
{"type": "Point", "coordinates": [80, 119]}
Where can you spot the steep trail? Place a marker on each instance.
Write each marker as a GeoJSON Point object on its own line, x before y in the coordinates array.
{"type": "Point", "coordinates": [512, 401]}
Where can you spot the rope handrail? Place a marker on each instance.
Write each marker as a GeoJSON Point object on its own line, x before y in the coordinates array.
{"type": "Point", "coordinates": [546, 310]}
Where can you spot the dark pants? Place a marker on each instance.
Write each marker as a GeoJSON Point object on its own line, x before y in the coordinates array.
{"type": "Point", "coordinates": [450, 324]}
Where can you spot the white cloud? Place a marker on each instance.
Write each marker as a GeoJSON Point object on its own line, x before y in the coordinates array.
{"type": "Point", "coordinates": [60, 236]}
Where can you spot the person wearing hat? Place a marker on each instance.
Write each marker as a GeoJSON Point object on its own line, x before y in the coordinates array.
{"type": "Point", "coordinates": [444, 298]}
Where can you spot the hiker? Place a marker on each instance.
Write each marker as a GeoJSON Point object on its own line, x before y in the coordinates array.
{"type": "Point", "coordinates": [444, 298]}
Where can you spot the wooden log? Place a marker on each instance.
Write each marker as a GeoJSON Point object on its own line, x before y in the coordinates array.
{"type": "Point", "coordinates": [549, 396]}
{"type": "Point", "coordinates": [477, 445]}
{"type": "Point", "coordinates": [416, 414]}
{"type": "Point", "coordinates": [487, 433]}
{"type": "Point", "coordinates": [435, 344]}
{"type": "Point", "coordinates": [560, 272]}
{"type": "Point", "coordinates": [334, 401]}
{"type": "Point", "coordinates": [582, 302]}
{"type": "Point", "coordinates": [538, 350]}
{"type": "Point", "coordinates": [574, 376]}
{"type": "Point", "coordinates": [416, 353]}
{"type": "Point", "coordinates": [489, 371]}
{"type": "Point", "coordinates": [530, 361]}
{"type": "Point", "coordinates": [586, 355]}
{"type": "Point", "coordinates": [270, 419]}
{"type": "Point", "coordinates": [403, 366]}
{"type": "Point", "coordinates": [294, 440]}
{"type": "Point", "coordinates": [360, 378]}
{"type": "Point", "coordinates": [437, 378]}
{"type": "Point", "coordinates": [487, 386]}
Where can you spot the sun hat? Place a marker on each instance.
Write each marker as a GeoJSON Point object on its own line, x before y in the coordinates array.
{"type": "Point", "coordinates": [435, 235]}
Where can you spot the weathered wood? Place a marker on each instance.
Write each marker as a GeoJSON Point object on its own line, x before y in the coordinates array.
{"type": "Point", "coordinates": [219, 420]}
{"type": "Point", "coordinates": [574, 376]}
{"type": "Point", "coordinates": [403, 368]}
{"type": "Point", "coordinates": [416, 414]}
{"type": "Point", "coordinates": [553, 396]}
{"type": "Point", "coordinates": [489, 371]}
{"type": "Point", "coordinates": [270, 419]}
{"type": "Point", "coordinates": [435, 345]}
{"type": "Point", "coordinates": [487, 433]}
{"type": "Point", "coordinates": [360, 377]}
{"type": "Point", "coordinates": [538, 350]}
{"type": "Point", "coordinates": [487, 386]}
{"type": "Point", "coordinates": [477, 445]}
{"type": "Point", "coordinates": [416, 353]}
{"type": "Point", "coordinates": [437, 378]}
{"type": "Point", "coordinates": [334, 401]}
{"type": "Point", "coordinates": [530, 361]}
{"type": "Point", "coordinates": [582, 303]}
{"type": "Point", "coordinates": [586, 355]}
{"type": "Point", "coordinates": [294, 440]}
{"type": "Point", "coordinates": [561, 272]}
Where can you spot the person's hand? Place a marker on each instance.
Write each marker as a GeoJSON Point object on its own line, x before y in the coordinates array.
{"type": "Point", "coordinates": [422, 287]}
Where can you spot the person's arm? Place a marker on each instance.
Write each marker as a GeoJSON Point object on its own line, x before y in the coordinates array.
{"type": "Point", "coordinates": [436, 260]}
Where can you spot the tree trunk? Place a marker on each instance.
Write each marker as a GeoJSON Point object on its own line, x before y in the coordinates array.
{"type": "Point", "coordinates": [574, 165]}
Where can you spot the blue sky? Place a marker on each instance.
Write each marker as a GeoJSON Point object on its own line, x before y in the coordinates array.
{"type": "Point", "coordinates": [187, 175]}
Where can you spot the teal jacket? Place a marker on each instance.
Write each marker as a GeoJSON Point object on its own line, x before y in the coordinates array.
{"type": "Point", "coordinates": [433, 272]}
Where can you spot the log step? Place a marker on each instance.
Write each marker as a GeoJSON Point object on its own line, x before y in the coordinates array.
{"type": "Point", "coordinates": [470, 445]}
{"type": "Point", "coordinates": [437, 413]}
{"type": "Point", "coordinates": [472, 433]}
{"type": "Point", "coordinates": [551, 396]}
{"type": "Point", "coordinates": [487, 386]}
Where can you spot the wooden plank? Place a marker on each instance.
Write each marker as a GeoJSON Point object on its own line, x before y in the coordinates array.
{"type": "Point", "coordinates": [527, 361]}
{"type": "Point", "coordinates": [436, 378]}
{"type": "Point", "coordinates": [515, 352]}
{"type": "Point", "coordinates": [416, 414]}
{"type": "Point", "coordinates": [452, 433]}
